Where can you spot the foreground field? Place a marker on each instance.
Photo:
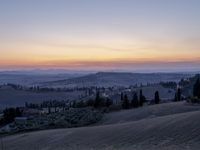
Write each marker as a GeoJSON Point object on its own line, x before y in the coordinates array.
{"type": "Point", "coordinates": [178, 127]}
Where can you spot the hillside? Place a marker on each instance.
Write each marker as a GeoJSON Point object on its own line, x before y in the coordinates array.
{"type": "Point", "coordinates": [173, 126]}
{"type": "Point", "coordinates": [10, 97]}
{"type": "Point", "coordinates": [148, 112]}
{"type": "Point", "coordinates": [107, 79]}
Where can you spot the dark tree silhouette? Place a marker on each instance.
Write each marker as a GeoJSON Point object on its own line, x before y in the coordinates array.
{"type": "Point", "coordinates": [109, 102]}
{"type": "Point", "coordinates": [73, 104]}
{"type": "Point", "coordinates": [178, 94]}
{"type": "Point", "coordinates": [125, 103]}
{"type": "Point", "coordinates": [10, 114]}
{"type": "Point", "coordinates": [157, 97]}
{"type": "Point", "coordinates": [175, 97]}
{"type": "Point", "coordinates": [142, 98]}
{"type": "Point", "coordinates": [99, 101]}
{"type": "Point", "coordinates": [134, 102]}
{"type": "Point", "coordinates": [196, 88]}
{"type": "Point", "coordinates": [122, 96]}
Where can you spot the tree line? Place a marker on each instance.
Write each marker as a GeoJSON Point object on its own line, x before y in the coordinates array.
{"type": "Point", "coordinates": [196, 91]}
{"type": "Point", "coordinates": [137, 101]}
{"type": "Point", "coordinates": [9, 114]}
{"type": "Point", "coordinates": [99, 102]}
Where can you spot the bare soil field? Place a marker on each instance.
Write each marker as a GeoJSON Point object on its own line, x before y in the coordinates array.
{"type": "Point", "coordinates": [172, 126]}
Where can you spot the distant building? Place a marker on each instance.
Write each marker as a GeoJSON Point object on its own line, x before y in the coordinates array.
{"type": "Point", "coordinates": [21, 120]}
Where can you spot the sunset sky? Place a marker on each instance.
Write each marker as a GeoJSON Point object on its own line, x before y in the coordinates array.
{"type": "Point", "coordinates": [100, 34]}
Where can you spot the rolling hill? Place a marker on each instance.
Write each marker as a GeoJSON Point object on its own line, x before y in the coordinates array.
{"type": "Point", "coordinates": [107, 79]}
{"type": "Point", "coordinates": [173, 126]}
{"type": "Point", "coordinates": [10, 97]}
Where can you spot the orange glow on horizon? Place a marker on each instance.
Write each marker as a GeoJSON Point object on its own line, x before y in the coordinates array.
{"type": "Point", "coordinates": [94, 53]}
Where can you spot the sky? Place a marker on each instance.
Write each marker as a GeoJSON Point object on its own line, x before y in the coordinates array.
{"type": "Point", "coordinates": [157, 35]}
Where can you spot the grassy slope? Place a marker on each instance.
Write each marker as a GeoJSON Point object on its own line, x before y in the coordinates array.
{"type": "Point", "coordinates": [10, 97]}
{"type": "Point", "coordinates": [148, 112]}
{"type": "Point", "coordinates": [167, 126]}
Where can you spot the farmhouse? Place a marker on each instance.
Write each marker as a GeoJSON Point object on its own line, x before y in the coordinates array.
{"type": "Point", "coordinates": [21, 120]}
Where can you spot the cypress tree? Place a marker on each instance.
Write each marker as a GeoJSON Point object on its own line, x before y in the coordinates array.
{"type": "Point", "coordinates": [196, 88]}
{"type": "Point", "coordinates": [175, 97]}
{"type": "Point", "coordinates": [97, 100]}
{"type": "Point", "coordinates": [141, 100]}
{"type": "Point", "coordinates": [122, 96]}
{"type": "Point", "coordinates": [157, 97]}
{"type": "Point", "coordinates": [125, 104]}
{"type": "Point", "coordinates": [134, 102]}
{"type": "Point", "coordinates": [179, 94]}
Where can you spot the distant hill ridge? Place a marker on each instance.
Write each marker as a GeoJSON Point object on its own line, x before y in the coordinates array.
{"type": "Point", "coordinates": [107, 79]}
